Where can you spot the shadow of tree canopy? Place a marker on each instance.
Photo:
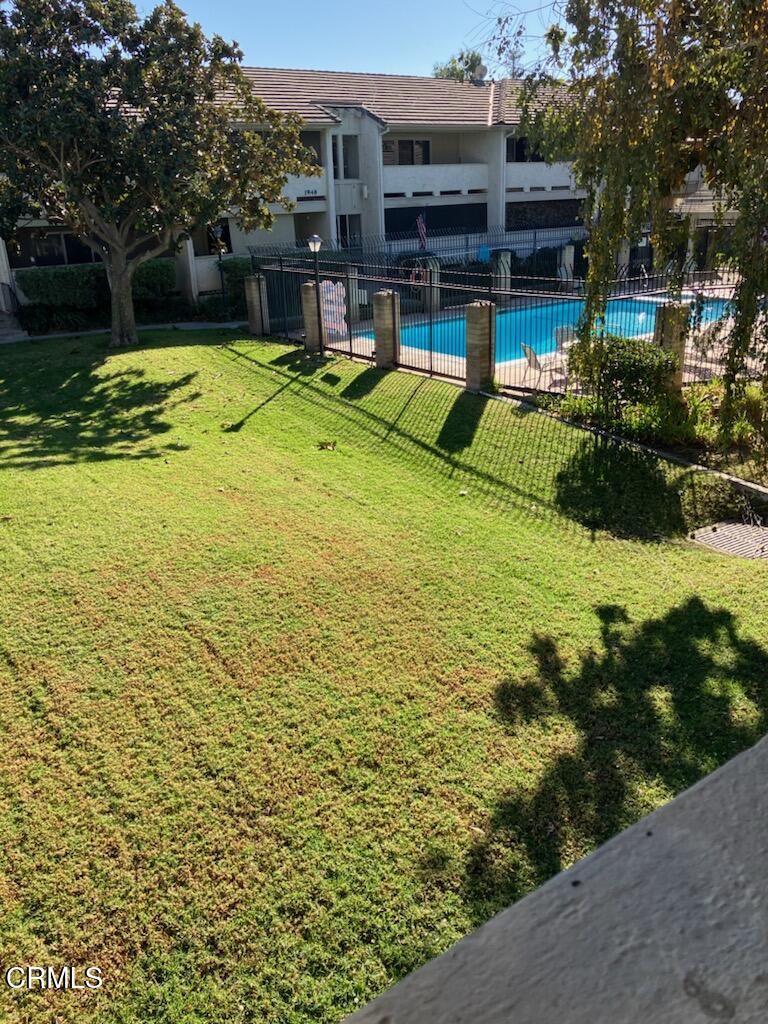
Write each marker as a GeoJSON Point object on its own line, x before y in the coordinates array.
{"type": "Point", "coordinates": [663, 703]}
{"type": "Point", "coordinates": [69, 409]}
{"type": "Point", "coordinates": [460, 425]}
{"type": "Point", "coordinates": [606, 485]}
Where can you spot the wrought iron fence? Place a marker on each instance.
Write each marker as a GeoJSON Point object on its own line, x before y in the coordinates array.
{"type": "Point", "coordinates": [535, 250]}
{"type": "Point", "coordinates": [536, 319]}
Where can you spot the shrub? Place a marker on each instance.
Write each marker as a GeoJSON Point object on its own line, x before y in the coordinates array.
{"type": "Point", "coordinates": [235, 272]}
{"type": "Point", "coordinates": [77, 287]}
{"type": "Point", "coordinates": [622, 371]}
{"type": "Point", "coordinates": [77, 297]}
{"type": "Point", "coordinates": [40, 319]}
{"type": "Point", "coordinates": [213, 309]}
{"type": "Point", "coordinates": [154, 281]}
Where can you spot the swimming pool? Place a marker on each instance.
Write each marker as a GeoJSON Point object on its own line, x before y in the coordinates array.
{"type": "Point", "coordinates": [535, 325]}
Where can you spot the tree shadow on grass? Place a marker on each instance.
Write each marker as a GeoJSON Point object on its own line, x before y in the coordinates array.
{"type": "Point", "coordinates": [67, 408]}
{"type": "Point", "coordinates": [460, 425]}
{"type": "Point", "coordinates": [364, 383]}
{"type": "Point", "coordinates": [607, 485]}
{"type": "Point", "coordinates": [660, 705]}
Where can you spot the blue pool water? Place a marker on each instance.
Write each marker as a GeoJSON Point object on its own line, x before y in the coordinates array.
{"type": "Point", "coordinates": [535, 325]}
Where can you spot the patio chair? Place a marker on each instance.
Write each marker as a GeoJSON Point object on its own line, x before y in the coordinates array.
{"type": "Point", "coordinates": [544, 369]}
{"type": "Point", "coordinates": [565, 337]}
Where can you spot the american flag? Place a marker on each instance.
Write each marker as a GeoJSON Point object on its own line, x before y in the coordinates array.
{"type": "Point", "coordinates": [421, 227]}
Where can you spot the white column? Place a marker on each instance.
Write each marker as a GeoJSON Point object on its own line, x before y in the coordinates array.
{"type": "Point", "coordinates": [186, 272]}
{"type": "Point", "coordinates": [6, 274]}
{"type": "Point", "coordinates": [497, 179]}
{"type": "Point", "coordinates": [330, 184]}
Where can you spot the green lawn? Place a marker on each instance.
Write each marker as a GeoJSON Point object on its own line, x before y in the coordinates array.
{"type": "Point", "coordinates": [282, 720]}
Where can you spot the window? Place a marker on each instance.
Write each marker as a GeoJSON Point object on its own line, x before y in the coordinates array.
{"type": "Point", "coordinates": [462, 218]}
{"type": "Point", "coordinates": [556, 213]}
{"type": "Point", "coordinates": [350, 159]}
{"type": "Point", "coordinates": [421, 152]}
{"type": "Point", "coordinates": [335, 149]}
{"type": "Point", "coordinates": [312, 142]}
{"type": "Point", "coordinates": [48, 247]}
{"type": "Point", "coordinates": [519, 153]}
{"type": "Point", "coordinates": [405, 152]}
{"type": "Point", "coordinates": [205, 243]}
{"type": "Point", "coordinates": [348, 228]}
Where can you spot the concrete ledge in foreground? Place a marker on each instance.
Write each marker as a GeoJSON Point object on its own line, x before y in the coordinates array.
{"type": "Point", "coordinates": [665, 924]}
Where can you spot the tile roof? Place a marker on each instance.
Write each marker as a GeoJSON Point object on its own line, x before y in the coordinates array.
{"type": "Point", "coordinates": [394, 99]}
{"type": "Point", "coordinates": [508, 105]}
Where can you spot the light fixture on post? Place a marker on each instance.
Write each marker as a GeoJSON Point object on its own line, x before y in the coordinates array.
{"type": "Point", "coordinates": [314, 242]}
{"type": "Point", "coordinates": [218, 231]}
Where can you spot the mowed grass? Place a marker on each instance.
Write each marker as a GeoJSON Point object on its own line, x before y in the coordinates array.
{"type": "Point", "coordinates": [307, 670]}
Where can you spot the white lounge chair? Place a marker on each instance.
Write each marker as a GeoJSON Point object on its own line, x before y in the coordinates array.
{"type": "Point", "coordinates": [544, 367]}
{"type": "Point", "coordinates": [565, 337]}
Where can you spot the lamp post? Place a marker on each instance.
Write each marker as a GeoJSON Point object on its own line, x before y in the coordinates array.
{"type": "Point", "coordinates": [314, 242]}
{"type": "Point", "coordinates": [218, 231]}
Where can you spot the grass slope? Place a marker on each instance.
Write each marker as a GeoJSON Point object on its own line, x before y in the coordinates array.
{"type": "Point", "coordinates": [280, 721]}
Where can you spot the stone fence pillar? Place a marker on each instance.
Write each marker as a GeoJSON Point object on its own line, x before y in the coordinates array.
{"type": "Point", "coordinates": [670, 333]}
{"type": "Point", "coordinates": [310, 310]}
{"type": "Point", "coordinates": [566, 260]}
{"type": "Point", "coordinates": [481, 345]}
{"type": "Point", "coordinates": [256, 301]}
{"type": "Point", "coordinates": [386, 328]}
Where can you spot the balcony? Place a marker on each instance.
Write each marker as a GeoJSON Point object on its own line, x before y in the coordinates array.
{"type": "Point", "coordinates": [538, 177]}
{"type": "Point", "coordinates": [696, 198]}
{"type": "Point", "coordinates": [434, 179]}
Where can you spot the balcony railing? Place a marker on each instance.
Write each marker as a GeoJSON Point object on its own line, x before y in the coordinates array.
{"type": "Point", "coordinates": [535, 177]}
{"type": "Point", "coordinates": [435, 179]}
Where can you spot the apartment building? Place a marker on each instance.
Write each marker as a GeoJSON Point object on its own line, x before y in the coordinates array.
{"type": "Point", "coordinates": [390, 148]}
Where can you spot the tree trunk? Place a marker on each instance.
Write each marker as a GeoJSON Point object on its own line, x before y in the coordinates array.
{"type": "Point", "coordinates": [123, 318]}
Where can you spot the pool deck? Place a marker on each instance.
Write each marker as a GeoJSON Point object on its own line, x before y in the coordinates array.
{"type": "Point", "coordinates": [704, 356]}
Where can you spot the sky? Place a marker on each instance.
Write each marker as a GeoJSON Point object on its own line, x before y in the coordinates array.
{"type": "Point", "coordinates": [394, 36]}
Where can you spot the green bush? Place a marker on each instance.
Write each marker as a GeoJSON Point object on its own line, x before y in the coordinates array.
{"type": "Point", "coordinates": [235, 272]}
{"type": "Point", "coordinates": [154, 281]}
{"type": "Point", "coordinates": [77, 297]}
{"type": "Point", "coordinates": [85, 285]}
{"type": "Point", "coordinates": [621, 371]}
{"type": "Point", "coordinates": [213, 309]}
{"type": "Point", "coordinates": [39, 319]}
{"type": "Point", "coordinates": [77, 287]}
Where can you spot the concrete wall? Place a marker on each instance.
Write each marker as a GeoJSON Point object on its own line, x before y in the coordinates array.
{"type": "Point", "coordinates": [282, 233]}
{"type": "Point", "coordinates": [665, 924]}
{"type": "Point", "coordinates": [435, 177]}
{"type": "Point", "coordinates": [366, 198]}
{"type": "Point", "coordinates": [540, 175]}
{"type": "Point", "coordinates": [445, 147]}
{"type": "Point", "coordinates": [489, 147]}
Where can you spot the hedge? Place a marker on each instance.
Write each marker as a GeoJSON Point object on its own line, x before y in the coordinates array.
{"type": "Point", "coordinates": [236, 270]}
{"type": "Point", "coordinates": [76, 298]}
{"type": "Point", "coordinates": [85, 285]}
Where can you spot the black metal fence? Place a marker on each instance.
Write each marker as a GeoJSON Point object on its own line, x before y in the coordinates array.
{"type": "Point", "coordinates": [536, 319]}
{"type": "Point", "coordinates": [535, 250]}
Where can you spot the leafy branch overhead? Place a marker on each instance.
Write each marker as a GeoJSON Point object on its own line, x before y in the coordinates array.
{"type": "Point", "coordinates": [133, 131]}
{"type": "Point", "coordinates": [640, 95]}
